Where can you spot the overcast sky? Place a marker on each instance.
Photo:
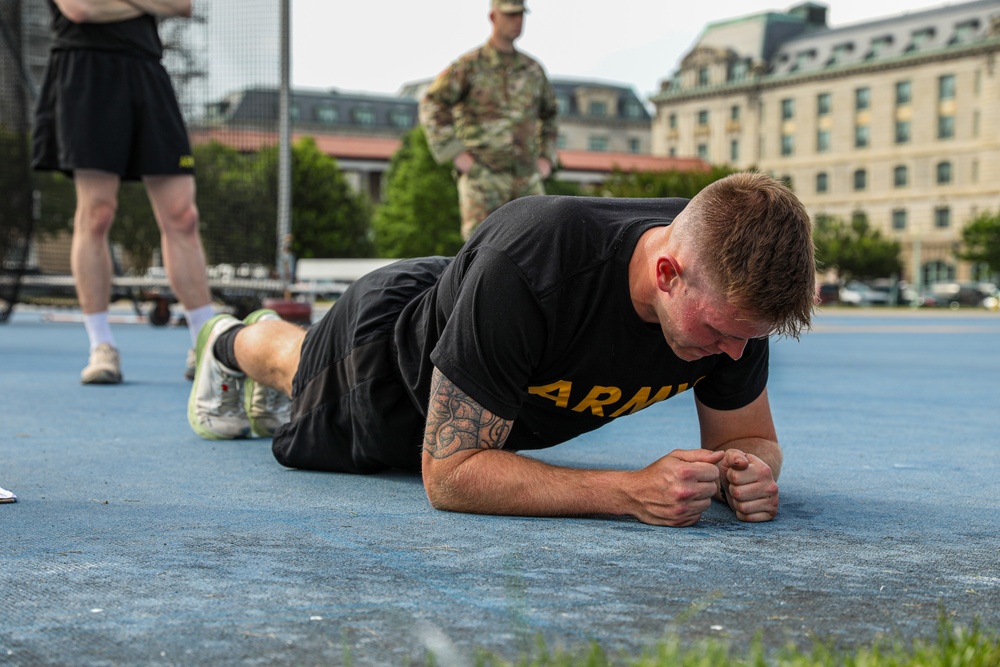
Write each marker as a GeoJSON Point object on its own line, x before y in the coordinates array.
{"type": "Point", "coordinates": [377, 46]}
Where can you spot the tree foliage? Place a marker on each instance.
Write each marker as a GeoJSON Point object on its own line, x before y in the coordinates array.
{"type": "Point", "coordinates": [328, 218]}
{"type": "Point", "coordinates": [981, 239]}
{"type": "Point", "coordinates": [856, 250]}
{"type": "Point", "coordinates": [420, 215]}
{"type": "Point", "coordinates": [662, 183]}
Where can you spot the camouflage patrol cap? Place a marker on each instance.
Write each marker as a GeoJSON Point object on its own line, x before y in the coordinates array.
{"type": "Point", "coordinates": [508, 6]}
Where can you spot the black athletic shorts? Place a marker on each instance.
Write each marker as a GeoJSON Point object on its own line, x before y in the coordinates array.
{"type": "Point", "coordinates": [109, 111]}
{"type": "Point", "coordinates": [351, 411]}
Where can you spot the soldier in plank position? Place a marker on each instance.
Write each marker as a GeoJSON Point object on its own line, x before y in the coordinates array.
{"type": "Point", "coordinates": [559, 315]}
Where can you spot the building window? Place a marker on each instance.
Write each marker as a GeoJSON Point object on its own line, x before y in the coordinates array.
{"type": "Point", "coordinates": [633, 109]}
{"type": "Point", "coordinates": [597, 109]}
{"type": "Point", "coordinates": [862, 98]}
{"type": "Point", "coordinates": [561, 140]}
{"type": "Point", "coordinates": [703, 151]}
{"type": "Point", "coordinates": [965, 31]}
{"type": "Point", "coordinates": [787, 109]}
{"type": "Point", "coordinates": [823, 104]}
{"type": "Point", "coordinates": [400, 118]}
{"type": "Point", "coordinates": [904, 93]}
{"type": "Point", "coordinates": [944, 173]}
{"type": "Point", "coordinates": [734, 151]}
{"type": "Point", "coordinates": [294, 112]}
{"type": "Point", "coordinates": [703, 76]}
{"type": "Point", "coordinates": [822, 141]}
{"type": "Point", "coordinates": [900, 176]}
{"type": "Point", "coordinates": [860, 179]}
{"type": "Point", "coordinates": [672, 121]}
{"type": "Point", "coordinates": [787, 144]}
{"type": "Point", "coordinates": [902, 131]}
{"type": "Point", "coordinates": [942, 217]}
{"type": "Point", "coordinates": [734, 112]}
{"type": "Point", "coordinates": [597, 143]}
{"type": "Point", "coordinates": [920, 39]}
{"type": "Point", "coordinates": [899, 219]}
{"type": "Point", "coordinates": [840, 53]}
{"type": "Point", "coordinates": [946, 87]}
{"type": "Point", "coordinates": [737, 70]}
{"type": "Point", "coordinates": [861, 136]}
{"type": "Point", "coordinates": [703, 117]}
{"type": "Point", "coordinates": [364, 116]}
{"type": "Point", "coordinates": [879, 46]}
{"type": "Point", "coordinates": [562, 104]}
{"type": "Point", "coordinates": [946, 127]}
{"type": "Point", "coordinates": [822, 182]}
{"type": "Point", "coordinates": [672, 152]}
{"type": "Point", "coordinates": [634, 145]}
{"type": "Point", "coordinates": [327, 115]}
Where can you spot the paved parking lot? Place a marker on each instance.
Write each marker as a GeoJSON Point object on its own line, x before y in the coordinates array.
{"type": "Point", "coordinates": [136, 542]}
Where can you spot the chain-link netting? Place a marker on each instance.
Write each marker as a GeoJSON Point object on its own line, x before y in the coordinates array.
{"type": "Point", "coordinates": [15, 185]}
{"type": "Point", "coordinates": [225, 65]}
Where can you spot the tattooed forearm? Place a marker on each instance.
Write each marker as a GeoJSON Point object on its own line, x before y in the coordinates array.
{"type": "Point", "coordinates": [456, 422]}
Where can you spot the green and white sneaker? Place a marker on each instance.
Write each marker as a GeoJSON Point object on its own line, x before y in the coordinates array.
{"type": "Point", "coordinates": [215, 407]}
{"type": "Point", "coordinates": [267, 408]}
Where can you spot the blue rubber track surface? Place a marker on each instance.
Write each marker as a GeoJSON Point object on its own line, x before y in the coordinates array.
{"type": "Point", "coordinates": [135, 542]}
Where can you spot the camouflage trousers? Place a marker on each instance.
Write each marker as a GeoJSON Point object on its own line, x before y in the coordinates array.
{"type": "Point", "coordinates": [481, 191]}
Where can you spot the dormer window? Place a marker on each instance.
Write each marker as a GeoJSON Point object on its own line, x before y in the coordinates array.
{"type": "Point", "coordinates": [803, 58]}
{"type": "Point", "coordinates": [879, 46]}
{"type": "Point", "coordinates": [920, 40]}
{"type": "Point", "coordinates": [965, 31]}
{"type": "Point", "coordinates": [841, 52]}
{"type": "Point", "coordinates": [737, 70]}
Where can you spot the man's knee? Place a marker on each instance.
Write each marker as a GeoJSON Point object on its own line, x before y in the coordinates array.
{"type": "Point", "coordinates": [181, 219]}
{"type": "Point", "coordinates": [95, 218]}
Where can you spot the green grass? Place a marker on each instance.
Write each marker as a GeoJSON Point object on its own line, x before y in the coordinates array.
{"type": "Point", "coordinates": [954, 647]}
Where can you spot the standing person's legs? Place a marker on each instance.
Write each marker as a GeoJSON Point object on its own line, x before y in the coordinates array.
{"type": "Point", "coordinates": [172, 198]}
{"type": "Point", "coordinates": [480, 192]}
{"type": "Point", "coordinates": [90, 264]}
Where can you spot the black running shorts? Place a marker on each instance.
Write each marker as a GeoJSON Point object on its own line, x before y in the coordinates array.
{"type": "Point", "coordinates": [112, 112]}
{"type": "Point", "coordinates": [351, 411]}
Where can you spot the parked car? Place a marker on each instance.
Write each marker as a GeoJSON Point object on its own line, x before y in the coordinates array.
{"type": "Point", "coordinates": [828, 293]}
{"type": "Point", "coordinates": [959, 295]}
{"type": "Point", "coordinates": [857, 293]}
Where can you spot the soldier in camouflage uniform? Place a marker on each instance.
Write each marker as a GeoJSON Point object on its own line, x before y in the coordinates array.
{"type": "Point", "coordinates": [492, 113]}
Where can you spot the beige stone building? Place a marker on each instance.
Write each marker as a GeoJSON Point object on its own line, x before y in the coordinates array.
{"type": "Point", "coordinates": [896, 119]}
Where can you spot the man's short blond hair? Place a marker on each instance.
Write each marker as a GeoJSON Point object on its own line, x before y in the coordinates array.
{"type": "Point", "coordinates": [752, 238]}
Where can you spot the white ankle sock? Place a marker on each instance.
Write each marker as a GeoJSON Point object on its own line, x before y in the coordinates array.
{"type": "Point", "coordinates": [98, 329]}
{"type": "Point", "coordinates": [197, 317]}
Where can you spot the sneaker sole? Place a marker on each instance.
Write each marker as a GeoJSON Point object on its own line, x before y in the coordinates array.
{"type": "Point", "coordinates": [104, 377]}
{"type": "Point", "coordinates": [203, 335]}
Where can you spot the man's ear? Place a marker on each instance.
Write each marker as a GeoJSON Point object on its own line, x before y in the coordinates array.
{"type": "Point", "coordinates": [667, 269]}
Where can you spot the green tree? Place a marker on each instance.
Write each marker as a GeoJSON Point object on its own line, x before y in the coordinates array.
{"type": "Point", "coordinates": [328, 218]}
{"type": "Point", "coordinates": [662, 183]}
{"type": "Point", "coordinates": [237, 204]}
{"type": "Point", "coordinates": [855, 250]}
{"type": "Point", "coordinates": [420, 214]}
{"type": "Point", "coordinates": [982, 241]}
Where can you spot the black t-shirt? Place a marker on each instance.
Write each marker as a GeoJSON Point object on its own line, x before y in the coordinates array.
{"type": "Point", "coordinates": [137, 36]}
{"type": "Point", "coordinates": [533, 319]}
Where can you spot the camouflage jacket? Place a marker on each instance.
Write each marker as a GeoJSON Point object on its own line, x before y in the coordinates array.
{"type": "Point", "coordinates": [498, 107]}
